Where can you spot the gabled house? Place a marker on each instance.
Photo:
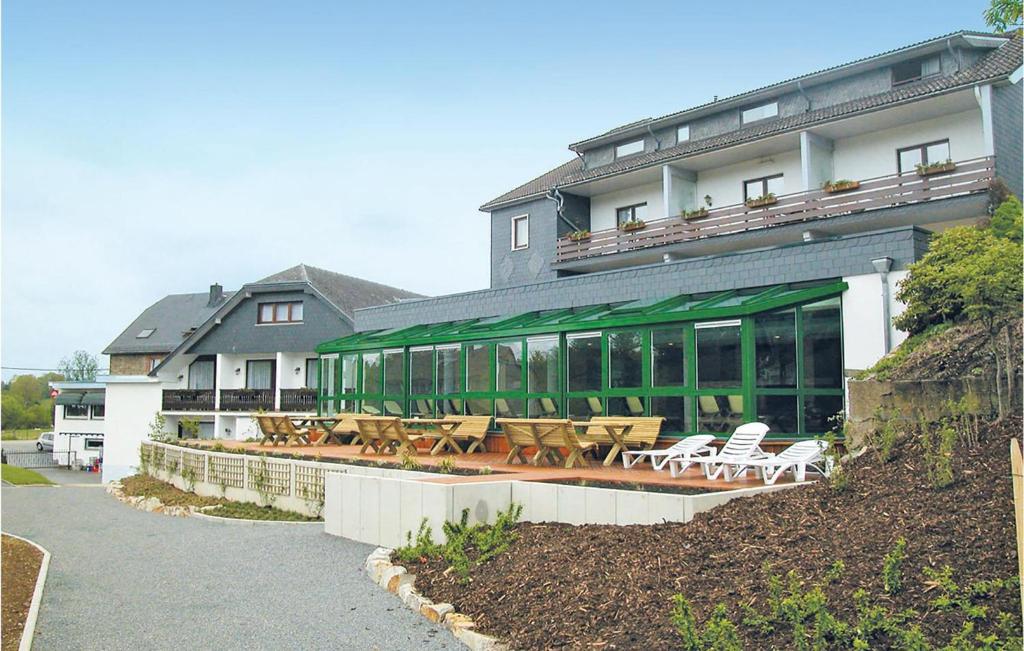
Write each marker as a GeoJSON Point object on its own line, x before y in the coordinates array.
{"type": "Point", "coordinates": [726, 263]}
{"type": "Point", "coordinates": [212, 360]}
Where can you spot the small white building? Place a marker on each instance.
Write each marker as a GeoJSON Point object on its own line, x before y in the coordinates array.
{"type": "Point", "coordinates": [79, 422]}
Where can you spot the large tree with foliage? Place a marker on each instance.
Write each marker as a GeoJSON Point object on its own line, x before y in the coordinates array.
{"type": "Point", "coordinates": [80, 367]}
{"type": "Point", "coordinates": [1003, 15]}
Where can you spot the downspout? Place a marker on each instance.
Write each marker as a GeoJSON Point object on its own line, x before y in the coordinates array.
{"type": "Point", "coordinates": [883, 266]}
{"type": "Point", "coordinates": [657, 140]}
{"type": "Point", "coordinates": [556, 196]}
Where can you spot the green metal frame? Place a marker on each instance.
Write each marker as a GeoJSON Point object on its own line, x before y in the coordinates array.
{"type": "Point", "coordinates": [679, 313]}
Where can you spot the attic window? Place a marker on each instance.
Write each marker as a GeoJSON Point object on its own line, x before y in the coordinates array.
{"type": "Point", "coordinates": [629, 149]}
{"type": "Point", "coordinates": [683, 133]}
{"type": "Point", "coordinates": [143, 334]}
{"type": "Point", "coordinates": [762, 112]}
{"type": "Point", "coordinates": [290, 312]}
{"type": "Point", "coordinates": [908, 71]}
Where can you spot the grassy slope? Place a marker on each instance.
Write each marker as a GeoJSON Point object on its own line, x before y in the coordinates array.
{"type": "Point", "coordinates": [23, 434]}
{"type": "Point", "coordinates": [21, 476]}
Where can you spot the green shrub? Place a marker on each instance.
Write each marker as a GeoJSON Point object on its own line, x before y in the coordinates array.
{"type": "Point", "coordinates": [409, 461]}
{"type": "Point", "coordinates": [447, 465]}
{"type": "Point", "coordinates": [938, 447]}
{"type": "Point", "coordinates": [892, 567]}
{"type": "Point", "coordinates": [1006, 221]}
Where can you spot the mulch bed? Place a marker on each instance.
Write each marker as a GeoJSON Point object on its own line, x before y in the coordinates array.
{"type": "Point", "coordinates": [607, 587]}
{"type": "Point", "coordinates": [149, 486]}
{"type": "Point", "coordinates": [961, 351]}
{"type": "Point", "coordinates": [20, 568]}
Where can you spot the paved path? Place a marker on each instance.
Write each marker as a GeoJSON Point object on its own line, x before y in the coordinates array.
{"type": "Point", "coordinates": [125, 579]}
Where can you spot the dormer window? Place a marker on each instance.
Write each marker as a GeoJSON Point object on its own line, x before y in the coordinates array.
{"type": "Point", "coordinates": [290, 312]}
{"type": "Point", "coordinates": [629, 149]}
{"type": "Point", "coordinates": [908, 71]}
{"type": "Point", "coordinates": [683, 133]}
{"type": "Point", "coordinates": [762, 112]}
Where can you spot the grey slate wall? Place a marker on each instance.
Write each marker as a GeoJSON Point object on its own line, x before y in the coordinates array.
{"type": "Point", "coordinates": [532, 264]}
{"type": "Point", "coordinates": [808, 261]}
{"type": "Point", "coordinates": [1007, 117]}
{"type": "Point", "coordinates": [239, 333]}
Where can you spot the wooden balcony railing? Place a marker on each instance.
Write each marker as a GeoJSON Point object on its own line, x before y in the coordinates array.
{"type": "Point", "coordinates": [246, 399]}
{"type": "Point", "coordinates": [969, 177]}
{"type": "Point", "coordinates": [188, 400]}
{"type": "Point", "coordinates": [298, 399]}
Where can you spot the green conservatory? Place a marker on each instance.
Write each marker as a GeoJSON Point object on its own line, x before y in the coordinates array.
{"type": "Point", "coordinates": [705, 362]}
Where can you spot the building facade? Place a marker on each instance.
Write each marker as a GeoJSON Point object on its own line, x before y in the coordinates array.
{"type": "Point", "coordinates": [228, 356]}
{"type": "Point", "coordinates": [731, 262]}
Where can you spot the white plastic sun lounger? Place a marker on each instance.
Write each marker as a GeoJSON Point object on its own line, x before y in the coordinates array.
{"type": "Point", "coordinates": [734, 457]}
{"type": "Point", "coordinates": [796, 457]}
{"type": "Point", "coordinates": [683, 450]}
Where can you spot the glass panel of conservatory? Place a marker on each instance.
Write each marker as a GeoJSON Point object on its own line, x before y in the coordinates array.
{"type": "Point", "coordinates": [371, 373]}
{"type": "Point", "coordinates": [584, 361]}
{"type": "Point", "coordinates": [449, 406]}
{"type": "Point", "coordinates": [719, 414]}
{"type": "Point", "coordinates": [668, 362]}
{"type": "Point", "coordinates": [625, 360]}
{"type": "Point", "coordinates": [349, 370]}
{"type": "Point", "coordinates": [823, 345]}
{"type": "Point", "coordinates": [393, 408]}
{"type": "Point", "coordinates": [510, 365]}
{"type": "Point", "coordinates": [719, 356]}
{"type": "Point", "coordinates": [394, 371]}
{"type": "Point", "coordinates": [775, 345]}
{"type": "Point", "coordinates": [628, 406]}
{"type": "Point", "coordinates": [371, 407]}
{"type": "Point", "coordinates": [542, 367]}
{"type": "Point", "coordinates": [543, 408]}
{"type": "Point", "coordinates": [820, 412]}
{"type": "Point", "coordinates": [421, 371]}
{"type": "Point", "coordinates": [676, 410]}
{"type": "Point", "coordinates": [448, 370]}
{"type": "Point", "coordinates": [778, 413]}
{"type": "Point", "coordinates": [478, 407]}
{"type": "Point", "coordinates": [421, 407]}
{"type": "Point", "coordinates": [509, 408]}
{"type": "Point", "coordinates": [478, 367]}
{"type": "Point", "coordinates": [585, 408]}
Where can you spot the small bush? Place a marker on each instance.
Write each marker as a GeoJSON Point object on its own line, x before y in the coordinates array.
{"type": "Point", "coordinates": [938, 453]}
{"type": "Point", "coordinates": [892, 567]}
{"type": "Point", "coordinates": [409, 461]}
{"type": "Point", "coordinates": [447, 465]}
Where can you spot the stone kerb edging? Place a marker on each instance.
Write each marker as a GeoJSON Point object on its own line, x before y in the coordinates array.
{"type": "Point", "coordinates": [397, 580]}
{"type": "Point", "coordinates": [28, 631]}
{"type": "Point", "coordinates": [247, 522]}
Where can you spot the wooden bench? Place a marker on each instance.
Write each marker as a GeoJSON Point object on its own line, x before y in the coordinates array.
{"type": "Point", "coordinates": [473, 429]}
{"type": "Point", "coordinates": [547, 435]}
{"type": "Point", "coordinates": [385, 434]}
{"type": "Point", "coordinates": [641, 433]}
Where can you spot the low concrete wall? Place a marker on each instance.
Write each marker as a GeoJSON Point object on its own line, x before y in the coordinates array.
{"type": "Point", "coordinates": [381, 511]}
{"type": "Point", "coordinates": [911, 400]}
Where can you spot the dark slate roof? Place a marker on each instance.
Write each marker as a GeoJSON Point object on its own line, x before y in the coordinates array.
{"type": "Point", "coordinates": [345, 292]}
{"type": "Point", "coordinates": [997, 64]}
{"type": "Point", "coordinates": [172, 319]}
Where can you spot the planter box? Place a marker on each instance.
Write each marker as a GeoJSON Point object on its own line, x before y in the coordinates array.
{"type": "Point", "coordinates": [763, 201]}
{"type": "Point", "coordinates": [936, 169]}
{"type": "Point", "coordinates": [629, 227]}
{"type": "Point", "coordinates": [694, 214]}
{"type": "Point", "coordinates": [833, 188]}
{"type": "Point", "coordinates": [579, 238]}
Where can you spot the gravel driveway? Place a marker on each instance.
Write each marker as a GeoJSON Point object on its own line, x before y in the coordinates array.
{"type": "Point", "coordinates": [125, 579]}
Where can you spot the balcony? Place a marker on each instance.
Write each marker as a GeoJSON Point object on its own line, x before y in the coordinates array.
{"type": "Point", "coordinates": [247, 399]}
{"type": "Point", "coordinates": [188, 400]}
{"type": "Point", "coordinates": [298, 399]}
{"type": "Point", "coordinates": [885, 192]}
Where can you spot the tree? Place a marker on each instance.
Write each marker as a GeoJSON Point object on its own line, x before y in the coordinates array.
{"type": "Point", "coordinates": [1007, 221]}
{"type": "Point", "coordinates": [1002, 15]}
{"type": "Point", "coordinates": [81, 367]}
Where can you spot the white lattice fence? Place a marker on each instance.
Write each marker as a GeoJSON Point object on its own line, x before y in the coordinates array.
{"type": "Point", "coordinates": [309, 482]}
{"type": "Point", "coordinates": [228, 471]}
{"type": "Point", "coordinates": [272, 477]}
{"type": "Point", "coordinates": [193, 464]}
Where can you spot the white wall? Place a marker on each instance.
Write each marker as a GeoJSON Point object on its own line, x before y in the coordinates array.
{"type": "Point", "coordinates": [725, 184]}
{"type": "Point", "coordinates": [86, 425]}
{"type": "Point", "coordinates": [874, 154]}
{"type": "Point", "coordinates": [286, 365]}
{"type": "Point", "coordinates": [603, 206]}
{"type": "Point", "coordinates": [131, 407]}
{"type": "Point", "coordinates": [863, 334]}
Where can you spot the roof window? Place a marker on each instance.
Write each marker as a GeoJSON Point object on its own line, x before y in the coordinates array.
{"type": "Point", "coordinates": [629, 149]}
{"type": "Point", "coordinates": [143, 334]}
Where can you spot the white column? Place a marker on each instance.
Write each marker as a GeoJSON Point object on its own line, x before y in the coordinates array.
{"type": "Point", "coordinates": [279, 371]}
{"type": "Point", "coordinates": [815, 160]}
{"type": "Point", "coordinates": [983, 95]}
{"type": "Point", "coordinates": [217, 381]}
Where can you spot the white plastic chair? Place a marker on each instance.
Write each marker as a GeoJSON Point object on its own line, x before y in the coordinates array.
{"type": "Point", "coordinates": [734, 457]}
{"type": "Point", "coordinates": [797, 458]}
{"type": "Point", "coordinates": [683, 451]}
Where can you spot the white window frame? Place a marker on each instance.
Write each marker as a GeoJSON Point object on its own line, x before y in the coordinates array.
{"type": "Point", "coordinates": [516, 246]}
{"type": "Point", "coordinates": [772, 112]}
{"type": "Point", "coordinates": [88, 410]}
{"type": "Point", "coordinates": [682, 133]}
{"type": "Point", "coordinates": [627, 149]}
{"type": "Point", "coordinates": [92, 412]}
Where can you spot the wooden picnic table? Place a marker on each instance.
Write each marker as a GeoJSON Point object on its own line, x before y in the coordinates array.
{"type": "Point", "coordinates": [324, 424]}
{"type": "Point", "coordinates": [617, 431]}
{"type": "Point", "coordinates": [441, 428]}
